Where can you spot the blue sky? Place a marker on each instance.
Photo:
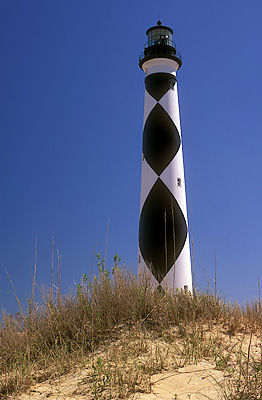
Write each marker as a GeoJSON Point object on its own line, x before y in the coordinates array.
{"type": "Point", "coordinates": [71, 111]}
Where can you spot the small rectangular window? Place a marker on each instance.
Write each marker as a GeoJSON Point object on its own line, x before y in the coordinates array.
{"type": "Point", "coordinates": [139, 259]}
{"type": "Point", "coordinates": [179, 183]}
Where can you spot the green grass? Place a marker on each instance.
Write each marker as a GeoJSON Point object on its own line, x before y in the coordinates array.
{"type": "Point", "coordinates": [154, 332]}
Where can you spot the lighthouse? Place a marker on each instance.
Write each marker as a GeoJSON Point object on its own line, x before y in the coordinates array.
{"type": "Point", "coordinates": [164, 250]}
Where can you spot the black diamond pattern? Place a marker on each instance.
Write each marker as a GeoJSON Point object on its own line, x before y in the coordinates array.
{"type": "Point", "coordinates": [158, 84]}
{"type": "Point", "coordinates": [161, 139]}
{"type": "Point", "coordinates": [158, 228]}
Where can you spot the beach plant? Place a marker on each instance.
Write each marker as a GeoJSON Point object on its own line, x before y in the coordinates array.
{"type": "Point", "coordinates": [122, 330]}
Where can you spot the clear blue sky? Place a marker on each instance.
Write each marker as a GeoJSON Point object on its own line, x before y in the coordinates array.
{"type": "Point", "coordinates": [71, 115]}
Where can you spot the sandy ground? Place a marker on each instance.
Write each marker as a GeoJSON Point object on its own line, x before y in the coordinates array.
{"type": "Point", "coordinates": [193, 382]}
{"type": "Point", "coordinates": [203, 380]}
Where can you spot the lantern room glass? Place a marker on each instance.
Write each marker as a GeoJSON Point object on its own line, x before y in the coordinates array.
{"type": "Point", "coordinates": [159, 36]}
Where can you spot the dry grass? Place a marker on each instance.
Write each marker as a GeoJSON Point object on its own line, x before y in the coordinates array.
{"type": "Point", "coordinates": [122, 331]}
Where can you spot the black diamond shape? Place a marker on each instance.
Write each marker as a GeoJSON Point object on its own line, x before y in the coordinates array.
{"type": "Point", "coordinates": [162, 224]}
{"type": "Point", "coordinates": [160, 289]}
{"type": "Point", "coordinates": [161, 139]}
{"type": "Point", "coordinates": [158, 84]}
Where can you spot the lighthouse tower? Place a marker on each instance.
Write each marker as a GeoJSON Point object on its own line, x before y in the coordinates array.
{"type": "Point", "coordinates": [163, 227]}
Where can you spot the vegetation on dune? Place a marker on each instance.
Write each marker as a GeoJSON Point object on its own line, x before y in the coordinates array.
{"type": "Point", "coordinates": [123, 330]}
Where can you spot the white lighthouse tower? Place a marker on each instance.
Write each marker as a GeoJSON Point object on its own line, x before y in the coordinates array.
{"type": "Point", "coordinates": [163, 227]}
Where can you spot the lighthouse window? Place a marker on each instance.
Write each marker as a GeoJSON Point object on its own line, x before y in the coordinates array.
{"type": "Point", "coordinates": [179, 183]}
{"type": "Point", "coordinates": [156, 34]}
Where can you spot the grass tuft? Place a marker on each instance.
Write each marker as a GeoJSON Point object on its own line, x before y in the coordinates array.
{"type": "Point", "coordinates": [122, 331]}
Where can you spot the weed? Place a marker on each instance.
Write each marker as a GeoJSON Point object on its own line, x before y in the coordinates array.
{"type": "Point", "coordinates": [123, 330]}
